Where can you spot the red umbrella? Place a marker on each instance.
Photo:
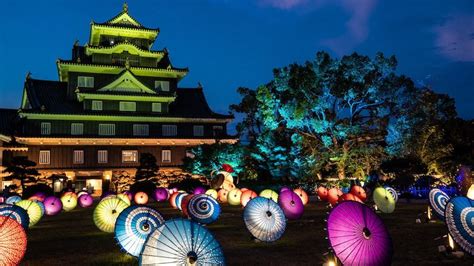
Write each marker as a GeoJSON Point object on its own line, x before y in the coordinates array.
{"type": "Point", "coordinates": [227, 168]}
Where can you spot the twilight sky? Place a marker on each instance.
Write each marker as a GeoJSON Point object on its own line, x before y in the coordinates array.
{"type": "Point", "coordinates": [232, 43]}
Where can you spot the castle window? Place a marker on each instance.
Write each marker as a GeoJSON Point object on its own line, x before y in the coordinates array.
{"type": "Point", "coordinates": [85, 82]}
{"type": "Point", "coordinates": [166, 156]}
{"type": "Point", "coordinates": [129, 156]}
{"type": "Point", "coordinates": [128, 106]}
{"type": "Point", "coordinates": [106, 129]}
{"type": "Point", "coordinates": [45, 128]}
{"type": "Point", "coordinates": [77, 129]}
{"type": "Point", "coordinates": [44, 157]}
{"type": "Point", "coordinates": [162, 85]}
{"type": "Point", "coordinates": [218, 131]}
{"type": "Point", "coordinates": [156, 107]}
{"type": "Point", "coordinates": [169, 130]}
{"type": "Point", "coordinates": [141, 130]}
{"type": "Point", "coordinates": [198, 131]}
{"type": "Point", "coordinates": [102, 156]}
{"type": "Point", "coordinates": [97, 105]}
{"type": "Point", "coordinates": [78, 157]}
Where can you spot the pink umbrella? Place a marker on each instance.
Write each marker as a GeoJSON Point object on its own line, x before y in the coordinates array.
{"type": "Point", "coordinates": [85, 200]}
{"type": "Point", "coordinates": [161, 194]}
{"type": "Point", "coordinates": [291, 204]}
{"type": "Point", "coordinates": [52, 205]}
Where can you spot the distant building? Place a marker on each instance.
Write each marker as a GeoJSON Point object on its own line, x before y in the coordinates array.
{"type": "Point", "coordinates": [115, 99]}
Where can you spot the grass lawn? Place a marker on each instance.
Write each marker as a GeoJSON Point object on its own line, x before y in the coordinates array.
{"type": "Point", "coordinates": [72, 238]}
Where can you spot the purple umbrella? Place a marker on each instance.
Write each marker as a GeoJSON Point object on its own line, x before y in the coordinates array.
{"type": "Point", "coordinates": [52, 205]}
{"type": "Point", "coordinates": [284, 189]}
{"type": "Point", "coordinates": [161, 194]}
{"type": "Point", "coordinates": [358, 236]}
{"type": "Point", "coordinates": [291, 204]}
{"type": "Point", "coordinates": [85, 200]}
{"type": "Point", "coordinates": [199, 190]}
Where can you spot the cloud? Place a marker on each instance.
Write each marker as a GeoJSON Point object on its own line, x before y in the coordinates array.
{"type": "Point", "coordinates": [455, 38]}
{"type": "Point", "coordinates": [357, 27]}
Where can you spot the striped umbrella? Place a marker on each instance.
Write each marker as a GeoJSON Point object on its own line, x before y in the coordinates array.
{"type": "Point", "coordinates": [264, 219]}
{"type": "Point", "coordinates": [124, 198]}
{"type": "Point", "coordinates": [384, 200]}
{"type": "Point", "coordinates": [358, 236]}
{"type": "Point", "coordinates": [178, 200]}
{"type": "Point", "coordinates": [459, 217]}
{"type": "Point", "coordinates": [106, 213]}
{"type": "Point", "coordinates": [438, 200]}
{"type": "Point", "coordinates": [181, 242]}
{"type": "Point", "coordinates": [13, 199]}
{"type": "Point", "coordinates": [133, 226]}
{"type": "Point", "coordinates": [12, 241]}
{"type": "Point", "coordinates": [204, 209]}
{"type": "Point", "coordinates": [33, 210]}
{"type": "Point", "coordinates": [393, 192]}
{"type": "Point", "coordinates": [15, 212]}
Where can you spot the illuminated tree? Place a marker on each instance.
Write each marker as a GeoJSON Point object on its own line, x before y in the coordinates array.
{"type": "Point", "coordinates": [20, 168]}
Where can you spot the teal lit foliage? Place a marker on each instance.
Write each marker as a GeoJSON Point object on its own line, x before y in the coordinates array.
{"type": "Point", "coordinates": [340, 108]}
{"type": "Point", "coordinates": [209, 158]}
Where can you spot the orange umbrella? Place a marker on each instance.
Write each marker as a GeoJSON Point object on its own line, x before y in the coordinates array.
{"type": "Point", "coordinates": [222, 195]}
{"type": "Point", "coordinates": [359, 192]}
{"type": "Point", "coordinates": [247, 196]}
{"type": "Point", "coordinates": [322, 193]}
{"type": "Point", "coordinates": [349, 196]}
{"type": "Point", "coordinates": [141, 198]}
{"type": "Point", "coordinates": [172, 200]}
{"type": "Point", "coordinates": [333, 195]}
{"type": "Point", "coordinates": [302, 194]}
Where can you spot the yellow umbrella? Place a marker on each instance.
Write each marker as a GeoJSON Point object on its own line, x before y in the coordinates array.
{"type": "Point", "coordinates": [233, 198]}
{"type": "Point", "coordinates": [106, 213]}
{"type": "Point", "coordinates": [69, 202]}
{"type": "Point", "coordinates": [269, 194]}
{"type": "Point", "coordinates": [33, 209]}
{"type": "Point", "coordinates": [384, 200]}
{"type": "Point", "coordinates": [212, 192]}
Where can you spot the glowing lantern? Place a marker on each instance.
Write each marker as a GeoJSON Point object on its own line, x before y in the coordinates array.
{"type": "Point", "coordinates": [69, 201]}
{"type": "Point", "coordinates": [269, 194]}
{"type": "Point", "coordinates": [106, 213]}
{"type": "Point", "coordinates": [33, 210]}
{"type": "Point", "coordinates": [222, 195]}
{"type": "Point", "coordinates": [141, 198]}
{"type": "Point", "coordinates": [12, 241]}
{"type": "Point", "coordinates": [233, 197]}
{"type": "Point", "coordinates": [172, 199]}
{"type": "Point", "coordinates": [247, 196]}
{"type": "Point", "coordinates": [302, 194]}
{"type": "Point", "coordinates": [333, 195]}
{"type": "Point", "coordinates": [322, 193]}
{"type": "Point", "coordinates": [359, 192]}
{"type": "Point", "coordinates": [124, 198]}
{"type": "Point", "coordinates": [85, 200]}
{"type": "Point", "coordinates": [470, 192]}
{"type": "Point", "coordinates": [212, 192]}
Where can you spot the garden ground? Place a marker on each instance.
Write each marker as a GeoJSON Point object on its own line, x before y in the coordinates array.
{"type": "Point", "coordinates": [72, 238]}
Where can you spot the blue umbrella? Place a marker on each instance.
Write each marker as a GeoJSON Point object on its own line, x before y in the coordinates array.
{"type": "Point", "coordinates": [264, 219]}
{"type": "Point", "coordinates": [181, 242]}
{"type": "Point", "coordinates": [459, 217]}
{"type": "Point", "coordinates": [438, 200]}
{"type": "Point", "coordinates": [13, 199]}
{"type": "Point", "coordinates": [204, 209]}
{"type": "Point", "coordinates": [180, 198]}
{"type": "Point", "coordinates": [133, 226]}
{"type": "Point", "coordinates": [17, 213]}
{"type": "Point", "coordinates": [393, 192]}
{"type": "Point", "coordinates": [41, 206]}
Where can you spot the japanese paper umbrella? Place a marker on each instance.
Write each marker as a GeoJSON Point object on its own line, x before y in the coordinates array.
{"type": "Point", "coordinates": [291, 204]}
{"type": "Point", "coordinates": [358, 236]}
{"type": "Point", "coordinates": [16, 213]}
{"type": "Point", "coordinates": [106, 213]}
{"type": "Point", "coordinates": [69, 201]}
{"type": "Point", "coordinates": [86, 200]}
{"type": "Point", "coordinates": [459, 217]}
{"type": "Point", "coordinates": [52, 205]}
{"type": "Point", "coordinates": [384, 200]}
{"type": "Point", "coordinates": [133, 226]}
{"type": "Point", "coordinates": [264, 219]}
{"type": "Point", "coordinates": [204, 209]}
{"type": "Point", "coordinates": [13, 199]}
{"type": "Point", "coordinates": [438, 201]}
{"type": "Point", "coordinates": [33, 210]}
{"type": "Point", "coordinates": [393, 192]}
{"type": "Point", "coordinates": [12, 241]}
{"type": "Point", "coordinates": [161, 194]}
{"type": "Point", "coordinates": [181, 242]}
